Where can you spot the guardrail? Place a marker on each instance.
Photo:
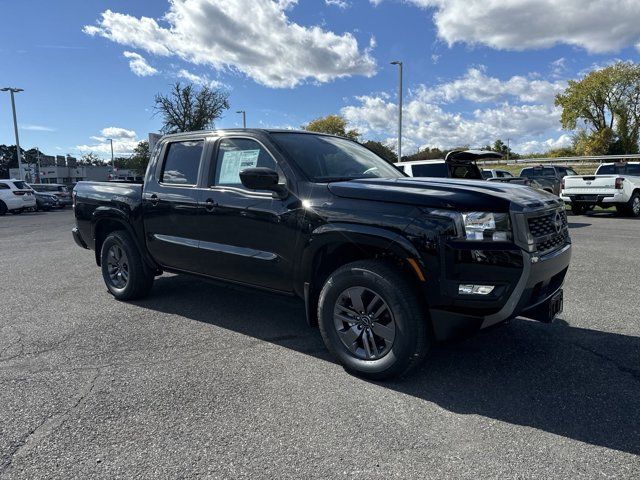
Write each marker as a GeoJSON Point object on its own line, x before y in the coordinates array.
{"type": "Point", "coordinates": [566, 160]}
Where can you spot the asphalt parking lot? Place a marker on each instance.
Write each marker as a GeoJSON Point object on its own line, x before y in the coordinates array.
{"type": "Point", "coordinates": [200, 380]}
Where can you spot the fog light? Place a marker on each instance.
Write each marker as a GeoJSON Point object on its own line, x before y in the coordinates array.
{"type": "Point", "coordinates": [475, 289]}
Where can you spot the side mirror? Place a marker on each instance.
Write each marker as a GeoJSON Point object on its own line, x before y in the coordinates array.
{"type": "Point", "coordinates": [262, 178]}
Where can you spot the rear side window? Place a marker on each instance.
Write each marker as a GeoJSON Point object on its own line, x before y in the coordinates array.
{"type": "Point", "coordinates": [430, 170]}
{"type": "Point", "coordinates": [21, 185]}
{"type": "Point", "coordinates": [607, 170]}
{"type": "Point", "coordinates": [486, 174]}
{"type": "Point", "coordinates": [4, 186]}
{"type": "Point", "coordinates": [182, 163]}
{"type": "Point", "coordinates": [633, 169]}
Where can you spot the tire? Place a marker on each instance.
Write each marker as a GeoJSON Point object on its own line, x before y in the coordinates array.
{"type": "Point", "coordinates": [3, 208]}
{"type": "Point", "coordinates": [401, 335]}
{"type": "Point", "coordinates": [578, 209]}
{"type": "Point", "coordinates": [633, 207]}
{"type": "Point", "coordinates": [123, 269]}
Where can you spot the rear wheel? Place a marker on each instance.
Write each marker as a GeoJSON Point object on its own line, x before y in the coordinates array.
{"type": "Point", "coordinates": [633, 207]}
{"type": "Point", "coordinates": [3, 208]}
{"type": "Point", "coordinates": [372, 321]}
{"type": "Point", "coordinates": [123, 269]}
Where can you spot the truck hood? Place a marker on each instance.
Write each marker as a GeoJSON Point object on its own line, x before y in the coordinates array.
{"type": "Point", "coordinates": [461, 195]}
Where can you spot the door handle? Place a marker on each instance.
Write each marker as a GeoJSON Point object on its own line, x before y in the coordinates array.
{"type": "Point", "coordinates": [154, 199]}
{"type": "Point", "coordinates": [210, 205]}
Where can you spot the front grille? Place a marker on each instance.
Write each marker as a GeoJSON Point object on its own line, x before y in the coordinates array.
{"type": "Point", "coordinates": [550, 230]}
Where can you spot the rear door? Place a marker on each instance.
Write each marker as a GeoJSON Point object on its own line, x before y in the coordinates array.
{"type": "Point", "coordinates": [170, 204]}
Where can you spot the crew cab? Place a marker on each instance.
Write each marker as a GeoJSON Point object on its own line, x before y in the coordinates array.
{"type": "Point", "coordinates": [614, 184]}
{"type": "Point", "coordinates": [386, 264]}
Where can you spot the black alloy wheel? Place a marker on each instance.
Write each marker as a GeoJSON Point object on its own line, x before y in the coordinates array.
{"type": "Point", "coordinates": [117, 266]}
{"type": "Point", "coordinates": [364, 323]}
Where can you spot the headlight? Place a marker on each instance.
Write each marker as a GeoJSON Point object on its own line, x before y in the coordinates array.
{"type": "Point", "coordinates": [487, 226]}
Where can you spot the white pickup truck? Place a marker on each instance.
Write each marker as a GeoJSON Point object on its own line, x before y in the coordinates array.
{"type": "Point", "coordinates": [614, 184]}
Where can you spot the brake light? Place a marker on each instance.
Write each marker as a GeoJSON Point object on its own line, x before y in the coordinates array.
{"type": "Point", "coordinates": [562, 184]}
{"type": "Point", "coordinates": [619, 183]}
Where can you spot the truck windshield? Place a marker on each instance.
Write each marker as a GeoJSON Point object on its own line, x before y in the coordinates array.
{"type": "Point", "coordinates": [631, 169]}
{"type": "Point", "coordinates": [328, 159]}
{"type": "Point", "coordinates": [538, 172]}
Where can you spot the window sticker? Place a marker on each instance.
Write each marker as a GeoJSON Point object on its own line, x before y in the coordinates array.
{"type": "Point", "coordinates": [233, 162]}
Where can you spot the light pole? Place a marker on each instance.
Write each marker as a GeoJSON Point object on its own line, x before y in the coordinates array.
{"type": "Point", "coordinates": [399, 63]}
{"type": "Point", "coordinates": [12, 91]}
{"type": "Point", "coordinates": [113, 162]}
{"type": "Point", "coordinates": [508, 148]}
{"type": "Point", "coordinates": [244, 118]}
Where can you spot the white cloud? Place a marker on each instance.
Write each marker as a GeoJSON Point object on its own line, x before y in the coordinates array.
{"type": "Point", "coordinates": [200, 79]}
{"type": "Point", "coordinates": [138, 65]}
{"type": "Point", "coordinates": [36, 128]}
{"type": "Point", "coordinates": [537, 146]}
{"type": "Point", "coordinates": [521, 110]}
{"type": "Point", "coordinates": [338, 3]}
{"type": "Point", "coordinates": [476, 86]}
{"type": "Point", "coordinates": [124, 141]}
{"type": "Point", "coordinates": [595, 25]}
{"type": "Point", "coordinates": [254, 37]}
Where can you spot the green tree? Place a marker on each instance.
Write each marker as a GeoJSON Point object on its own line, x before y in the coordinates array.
{"type": "Point", "coordinates": [140, 158]}
{"type": "Point", "coordinates": [189, 108]}
{"type": "Point", "coordinates": [381, 150]}
{"type": "Point", "coordinates": [332, 124]}
{"type": "Point", "coordinates": [426, 154]}
{"type": "Point", "coordinates": [607, 103]}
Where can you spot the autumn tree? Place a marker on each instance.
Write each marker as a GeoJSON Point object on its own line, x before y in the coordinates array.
{"type": "Point", "coordinates": [332, 124]}
{"type": "Point", "coordinates": [188, 108]}
{"type": "Point", "coordinates": [606, 105]}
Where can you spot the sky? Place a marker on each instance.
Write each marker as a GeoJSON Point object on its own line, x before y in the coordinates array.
{"type": "Point", "coordinates": [474, 70]}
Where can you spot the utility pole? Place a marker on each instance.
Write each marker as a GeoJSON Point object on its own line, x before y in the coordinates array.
{"type": "Point", "coordinates": [399, 64]}
{"type": "Point", "coordinates": [113, 162]}
{"type": "Point", "coordinates": [12, 91]}
{"type": "Point", "coordinates": [244, 118]}
{"type": "Point", "coordinates": [508, 148]}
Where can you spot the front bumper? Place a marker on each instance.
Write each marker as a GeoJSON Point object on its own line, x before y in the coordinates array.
{"type": "Point", "coordinates": [538, 285]}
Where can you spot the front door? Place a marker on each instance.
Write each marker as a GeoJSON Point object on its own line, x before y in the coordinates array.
{"type": "Point", "coordinates": [246, 236]}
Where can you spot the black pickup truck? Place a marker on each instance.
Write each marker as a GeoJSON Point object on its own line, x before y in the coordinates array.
{"type": "Point", "coordinates": [386, 264]}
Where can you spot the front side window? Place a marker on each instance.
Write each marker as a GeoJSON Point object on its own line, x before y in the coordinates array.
{"type": "Point", "coordinates": [327, 159]}
{"type": "Point", "coordinates": [182, 162]}
{"type": "Point", "coordinates": [237, 154]}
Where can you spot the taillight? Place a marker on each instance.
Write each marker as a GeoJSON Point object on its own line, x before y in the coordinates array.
{"type": "Point", "coordinates": [562, 184]}
{"type": "Point", "coordinates": [619, 183]}
{"type": "Point", "coordinates": [15, 192]}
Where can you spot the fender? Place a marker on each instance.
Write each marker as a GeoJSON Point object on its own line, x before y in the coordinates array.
{"type": "Point", "coordinates": [113, 214]}
{"type": "Point", "coordinates": [340, 233]}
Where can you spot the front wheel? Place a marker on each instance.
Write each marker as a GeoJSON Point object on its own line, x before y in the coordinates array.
{"type": "Point", "coordinates": [123, 269]}
{"type": "Point", "coordinates": [372, 321]}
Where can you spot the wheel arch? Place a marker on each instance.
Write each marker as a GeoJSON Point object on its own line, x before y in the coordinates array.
{"type": "Point", "coordinates": [107, 220]}
{"type": "Point", "coordinates": [334, 245]}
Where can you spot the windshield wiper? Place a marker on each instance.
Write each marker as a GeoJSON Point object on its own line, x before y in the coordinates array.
{"type": "Point", "coordinates": [333, 179]}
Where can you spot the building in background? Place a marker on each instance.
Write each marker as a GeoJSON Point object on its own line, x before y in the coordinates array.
{"type": "Point", "coordinates": [72, 173]}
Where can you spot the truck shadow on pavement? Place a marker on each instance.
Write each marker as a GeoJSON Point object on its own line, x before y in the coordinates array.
{"type": "Point", "coordinates": [574, 382]}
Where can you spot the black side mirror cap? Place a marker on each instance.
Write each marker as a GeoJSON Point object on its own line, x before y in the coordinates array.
{"type": "Point", "coordinates": [262, 178]}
